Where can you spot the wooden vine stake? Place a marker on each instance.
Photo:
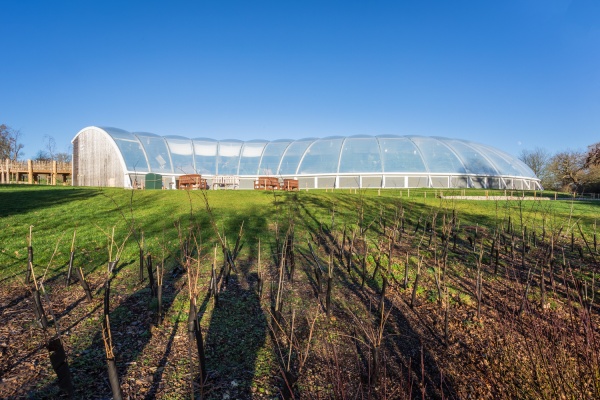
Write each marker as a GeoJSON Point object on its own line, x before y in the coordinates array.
{"type": "Point", "coordinates": [194, 330]}
{"type": "Point", "coordinates": [29, 255]}
{"type": "Point", "coordinates": [113, 376]}
{"type": "Point", "coordinates": [142, 257]}
{"type": "Point", "coordinates": [78, 271]}
{"type": "Point", "coordinates": [350, 252]}
{"type": "Point", "coordinates": [151, 275]}
{"type": "Point", "coordinates": [446, 312]}
{"type": "Point", "coordinates": [160, 270]}
{"type": "Point", "coordinates": [329, 286]}
{"type": "Point", "coordinates": [71, 258]}
{"type": "Point", "coordinates": [317, 269]}
{"type": "Point", "coordinates": [260, 283]}
{"type": "Point", "coordinates": [279, 295]}
{"type": "Point", "coordinates": [479, 284]}
{"type": "Point", "coordinates": [38, 308]}
{"type": "Point", "coordinates": [290, 258]}
{"type": "Point", "coordinates": [381, 308]}
{"type": "Point", "coordinates": [405, 283]}
{"type": "Point", "coordinates": [84, 284]}
{"type": "Point", "coordinates": [214, 282]}
{"type": "Point", "coordinates": [416, 284]}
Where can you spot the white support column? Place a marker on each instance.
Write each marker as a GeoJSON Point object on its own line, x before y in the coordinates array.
{"type": "Point", "coordinates": [316, 182]}
{"type": "Point", "coordinates": [406, 181]}
{"type": "Point", "coordinates": [127, 181]}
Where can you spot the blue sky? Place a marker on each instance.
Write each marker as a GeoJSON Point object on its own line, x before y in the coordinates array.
{"type": "Point", "coordinates": [511, 74]}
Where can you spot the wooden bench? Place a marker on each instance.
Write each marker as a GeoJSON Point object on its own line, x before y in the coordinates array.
{"type": "Point", "coordinates": [291, 184]}
{"type": "Point", "coordinates": [192, 182]}
{"type": "Point", "coordinates": [267, 183]}
{"type": "Point", "coordinates": [226, 182]}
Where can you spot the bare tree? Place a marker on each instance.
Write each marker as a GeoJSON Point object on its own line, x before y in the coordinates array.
{"type": "Point", "coordinates": [50, 145]}
{"type": "Point", "coordinates": [569, 170]}
{"type": "Point", "coordinates": [42, 155]}
{"type": "Point", "coordinates": [49, 152]}
{"type": "Point", "coordinates": [10, 143]}
{"type": "Point", "coordinates": [536, 159]}
{"type": "Point", "coordinates": [593, 155]}
{"type": "Point", "coordinates": [63, 157]}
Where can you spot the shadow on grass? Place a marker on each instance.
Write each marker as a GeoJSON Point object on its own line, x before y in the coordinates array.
{"type": "Point", "coordinates": [25, 199]}
{"type": "Point", "coordinates": [236, 333]}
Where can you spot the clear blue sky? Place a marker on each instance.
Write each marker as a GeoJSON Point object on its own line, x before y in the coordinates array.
{"type": "Point", "coordinates": [511, 74]}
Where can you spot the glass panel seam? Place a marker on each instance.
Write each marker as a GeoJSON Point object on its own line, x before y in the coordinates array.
{"type": "Point", "coordinates": [282, 156]}
{"type": "Point", "coordinates": [337, 170]}
{"type": "Point", "coordinates": [241, 152]}
{"type": "Point", "coordinates": [459, 158]}
{"type": "Point", "coordinates": [143, 151]}
{"type": "Point", "coordinates": [380, 155]}
{"type": "Point", "coordinates": [304, 154]}
{"type": "Point", "coordinates": [493, 164]}
{"type": "Point", "coordinates": [218, 158]}
{"type": "Point", "coordinates": [193, 156]}
{"type": "Point", "coordinates": [169, 153]}
{"type": "Point", "coordinates": [262, 155]}
{"type": "Point", "coordinates": [420, 153]}
{"type": "Point", "coordinates": [500, 155]}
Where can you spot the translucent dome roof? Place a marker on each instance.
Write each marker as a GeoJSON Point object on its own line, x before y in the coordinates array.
{"type": "Point", "coordinates": [385, 154]}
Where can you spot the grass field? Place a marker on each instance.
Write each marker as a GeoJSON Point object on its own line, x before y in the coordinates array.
{"type": "Point", "coordinates": [456, 321]}
{"type": "Point", "coordinates": [56, 212]}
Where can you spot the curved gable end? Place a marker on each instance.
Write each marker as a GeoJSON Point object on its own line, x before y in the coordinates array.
{"type": "Point", "coordinates": [98, 160]}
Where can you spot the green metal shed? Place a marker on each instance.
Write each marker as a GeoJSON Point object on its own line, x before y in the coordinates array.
{"type": "Point", "coordinates": [153, 181]}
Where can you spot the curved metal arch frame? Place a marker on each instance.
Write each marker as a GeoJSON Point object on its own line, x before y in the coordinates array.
{"type": "Point", "coordinates": [493, 164]}
{"type": "Point", "coordinates": [522, 172]}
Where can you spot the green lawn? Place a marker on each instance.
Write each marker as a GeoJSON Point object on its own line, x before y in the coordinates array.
{"type": "Point", "coordinates": [55, 212]}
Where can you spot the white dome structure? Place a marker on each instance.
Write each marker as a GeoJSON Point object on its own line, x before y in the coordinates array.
{"type": "Point", "coordinates": [114, 157]}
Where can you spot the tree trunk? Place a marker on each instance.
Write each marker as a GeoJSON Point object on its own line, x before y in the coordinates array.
{"type": "Point", "coordinates": [38, 309]}
{"type": "Point", "coordinates": [141, 264]}
{"type": "Point", "coordinates": [328, 298]}
{"type": "Point", "coordinates": [70, 271]}
{"type": "Point", "coordinates": [29, 264]}
{"type": "Point", "coordinates": [150, 275]}
{"type": "Point", "coordinates": [414, 293]}
{"type": "Point", "coordinates": [84, 284]}
{"type": "Point", "coordinates": [160, 304]}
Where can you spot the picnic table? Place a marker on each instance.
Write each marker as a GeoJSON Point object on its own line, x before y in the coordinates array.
{"type": "Point", "coordinates": [192, 182]}
{"type": "Point", "coordinates": [267, 183]}
{"type": "Point", "coordinates": [291, 184]}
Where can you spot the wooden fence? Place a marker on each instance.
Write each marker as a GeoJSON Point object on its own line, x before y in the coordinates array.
{"type": "Point", "coordinates": [34, 172]}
